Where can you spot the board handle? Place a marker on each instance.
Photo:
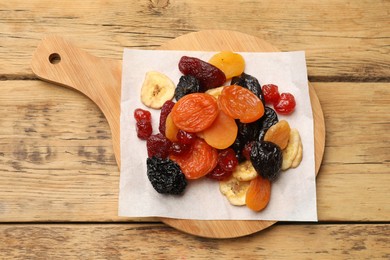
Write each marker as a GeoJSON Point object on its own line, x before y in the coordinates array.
{"type": "Point", "coordinates": [58, 61]}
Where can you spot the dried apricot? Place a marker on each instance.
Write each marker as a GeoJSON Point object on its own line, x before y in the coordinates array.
{"type": "Point", "coordinates": [200, 161]}
{"type": "Point", "coordinates": [240, 103]}
{"type": "Point", "coordinates": [222, 132]}
{"type": "Point", "coordinates": [279, 134]}
{"type": "Point", "coordinates": [232, 64]}
{"type": "Point", "coordinates": [195, 112]}
{"type": "Point", "coordinates": [258, 193]}
{"type": "Point", "coordinates": [171, 129]}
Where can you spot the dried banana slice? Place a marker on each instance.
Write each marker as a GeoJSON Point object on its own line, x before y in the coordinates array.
{"type": "Point", "coordinates": [245, 171]}
{"type": "Point", "coordinates": [156, 89]}
{"type": "Point", "coordinates": [297, 160]}
{"type": "Point", "coordinates": [291, 151]}
{"type": "Point", "coordinates": [234, 190]}
{"type": "Point", "coordinates": [215, 92]}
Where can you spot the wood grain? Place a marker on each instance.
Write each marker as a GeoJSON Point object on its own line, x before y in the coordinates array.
{"type": "Point", "coordinates": [344, 40]}
{"type": "Point", "coordinates": [60, 62]}
{"type": "Point", "coordinates": [57, 164]}
{"type": "Point", "coordinates": [156, 241]}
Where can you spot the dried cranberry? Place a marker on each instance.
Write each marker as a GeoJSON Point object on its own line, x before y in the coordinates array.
{"type": "Point", "coordinates": [144, 129]}
{"type": "Point", "coordinates": [271, 93]}
{"type": "Point", "coordinates": [219, 174]}
{"type": "Point", "coordinates": [165, 110]}
{"type": "Point", "coordinates": [185, 137]}
{"type": "Point", "coordinates": [141, 114]}
{"type": "Point", "coordinates": [158, 145]}
{"type": "Point", "coordinates": [286, 104]}
{"type": "Point", "coordinates": [208, 75]}
{"type": "Point", "coordinates": [227, 159]}
{"type": "Point", "coordinates": [179, 149]}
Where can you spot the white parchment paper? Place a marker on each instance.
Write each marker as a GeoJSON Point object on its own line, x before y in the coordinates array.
{"type": "Point", "coordinates": [293, 196]}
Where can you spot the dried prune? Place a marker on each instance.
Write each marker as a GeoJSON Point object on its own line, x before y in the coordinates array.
{"type": "Point", "coordinates": [165, 176]}
{"type": "Point", "coordinates": [165, 110]}
{"type": "Point", "coordinates": [158, 145]}
{"type": "Point", "coordinates": [187, 84]}
{"type": "Point", "coordinates": [247, 132]}
{"type": "Point", "coordinates": [208, 75]}
{"type": "Point", "coordinates": [267, 158]}
{"type": "Point", "coordinates": [251, 83]}
{"type": "Point", "coordinates": [269, 119]}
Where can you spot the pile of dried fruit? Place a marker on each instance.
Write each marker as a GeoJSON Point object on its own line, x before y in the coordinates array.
{"type": "Point", "coordinates": [219, 131]}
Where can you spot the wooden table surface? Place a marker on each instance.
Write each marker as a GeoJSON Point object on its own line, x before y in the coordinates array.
{"type": "Point", "coordinates": [58, 176]}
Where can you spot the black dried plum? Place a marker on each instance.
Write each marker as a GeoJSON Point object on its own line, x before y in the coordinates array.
{"type": "Point", "coordinates": [251, 83]}
{"type": "Point", "coordinates": [187, 84]}
{"type": "Point", "coordinates": [266, 158]}
{"type": "Point", "coordinates": [165, 176]}
{"type": "Point", "coordinates": [247, 132]}
{"type": "Point", "coordinates": [266, 121]}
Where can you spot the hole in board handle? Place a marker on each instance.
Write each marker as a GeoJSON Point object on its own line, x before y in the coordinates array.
{"type": "Point", "coordinates": [54, 58]}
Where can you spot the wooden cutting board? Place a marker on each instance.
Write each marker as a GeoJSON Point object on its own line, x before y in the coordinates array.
{"type": "Point", "coordinates": [58, 61]}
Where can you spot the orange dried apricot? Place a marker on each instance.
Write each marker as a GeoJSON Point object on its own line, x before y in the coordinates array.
{"type": "Point", "coordinates": [240, 103]}
{"type": "Point", "coordinates": [222, 132]}
{"type": "Point", "coordinates": [232, 64]}
{"type": "Point", "coordinates": [279, 134]}
{"type": "Point", "coordinates": [200, 161]}
{"type": "Point", "coordinates": [195, 112]}
{"type": "Point", "coordinates": [171, 129]}
{"type": "Point", "coordinates": [258, 193]}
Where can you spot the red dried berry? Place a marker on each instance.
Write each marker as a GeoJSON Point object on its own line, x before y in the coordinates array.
{"type": "Point", "coordinates": [158, 145]}
{"type": "Point", "coordinates": [219, 174]}
{"type": "Point", "coordinates": [141, 114]}
{"type": "Point", "coordinates": [185, 137]}
{"type": "Point", "coordinates": [286, 104]}
{"type": "Point", "coordinates": [179, 149]}
{"type": "Point", "coordinates": [227, 159]}
{"type": "Point", "coordinates": [246, 152]}
{"type": "Point", "coordinates": [165, 110]}
{"type": "Point", "coordinates": [144, 129]}
{"type": "Point", "coordinates": [208, 75]}
{"type": "Point", "coordinates": [271, 93]}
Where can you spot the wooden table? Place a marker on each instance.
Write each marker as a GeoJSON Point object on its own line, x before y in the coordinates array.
{"type": "Point", "coordinates": [58, 175]}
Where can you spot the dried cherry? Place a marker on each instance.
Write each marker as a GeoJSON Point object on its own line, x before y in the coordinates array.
{"type": "Point", "coordinates": [184, 137]}
{"type": "Point", "coordinates": [227, 159]}
{"type": "Point", "coordinates": [267, 158]}
{"type": "Point", "coordinates": [219, 174]}
{"type": "Point", "coordinates": [271, 93]}
{"type": "Point", "coordinates": [179, 149]}
{"type": "Point", "coordinates": [286, 104]}
{"type": "Point", "coordinates": [208, 75]}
